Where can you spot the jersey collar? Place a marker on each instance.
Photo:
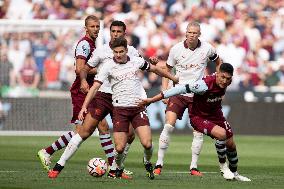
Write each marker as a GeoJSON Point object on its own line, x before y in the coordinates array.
{"type": "Point", "coordinates": [186, 46]}
{"type": "Point", "coordinates": [90, 40]}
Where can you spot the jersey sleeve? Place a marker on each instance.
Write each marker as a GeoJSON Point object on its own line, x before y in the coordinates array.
{"type": "Point", "coordinates": [82, 50]}
{"type": "Point", "coordinates": [198, 87]}
{"type": "Point", "coordinates": [103, 74]}
{"type": "Point", "coordinates": [181, 89]}
{"type": "Point", "coordinates": [171, 58]}
{"type": "Point", "coordinates": [95, 58]}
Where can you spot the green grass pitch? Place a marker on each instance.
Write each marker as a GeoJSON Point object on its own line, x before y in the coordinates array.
{"type": "Point", "coordinates": [261, 158]}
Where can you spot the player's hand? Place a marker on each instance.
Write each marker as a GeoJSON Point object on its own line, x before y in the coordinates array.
{"type": "Point", "coordinates": [176, 80]}
{"type": "Point", "coordinates": [165, 101]}
{"type": "Point", "coordinates": [144, 102]}
{"type": "Point", "coordinates": [199, 87]}
{"type": "Point", "coordinates": [82, 114]}
{"type": "Point", "coordinates": [84, 87]}
{"type": "Point", "coordinates": [153, 60]}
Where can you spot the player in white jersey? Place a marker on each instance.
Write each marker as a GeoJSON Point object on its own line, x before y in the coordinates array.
{"type": "Point", "coordinates": [189, 58]}
{"type": "Point", "coordinates": [102, 104]}
{"type": "Point", "coordinates": [122, 71]}
{"type": "Point", "coordinates": [99, 57]}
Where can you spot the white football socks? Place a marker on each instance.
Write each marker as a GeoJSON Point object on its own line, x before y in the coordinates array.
{"type": "Point", "coordinates": [70, 149]}
{"type": "Point", "coordinates": [164, 143]}
{"type": "Point", "coordinates": [196, 147]}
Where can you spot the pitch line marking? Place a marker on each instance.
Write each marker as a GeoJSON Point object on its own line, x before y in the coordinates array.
{"type": "Point", "coordinates": [187, 172]}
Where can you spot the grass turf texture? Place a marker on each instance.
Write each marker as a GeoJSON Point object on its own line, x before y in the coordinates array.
{"type": "Point", "coordinates": [261, 158]}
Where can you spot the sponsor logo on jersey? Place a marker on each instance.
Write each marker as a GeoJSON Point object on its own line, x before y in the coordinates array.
{"type": "Point", "coordinates": [216, 99]}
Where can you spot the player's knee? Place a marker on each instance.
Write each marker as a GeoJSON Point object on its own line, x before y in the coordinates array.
{"type": "Point", "coordinates": [147, 144]}
{"type": "Point", "coordinates": [77, 129]}
{"type": "Point", "coordinates": [84, 135]}
{"type": "Point", "coordinates": [119, 149]}
{"type": "Point", "coordinates": [103, 127]}
{"type": "Point", "coordinates": [231, 145]}
{"type": "Point", "coordinates": [221, 135]}
{"type": "Point", "coordinates": [86, 132]}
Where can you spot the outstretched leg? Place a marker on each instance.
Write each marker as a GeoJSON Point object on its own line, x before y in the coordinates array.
{"type": "Point", "coordinates": [45, 154]}
{"type": "Point", "coordinates": [87, 129]}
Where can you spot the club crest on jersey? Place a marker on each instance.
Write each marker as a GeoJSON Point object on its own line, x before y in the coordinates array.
{"type": "Point", "coordinates": [98, 112]}
{"type": "Point", "coordinates": [85, 50]}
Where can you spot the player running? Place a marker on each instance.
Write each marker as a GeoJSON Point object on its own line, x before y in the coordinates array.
{"type": "Point", "coordinates": [189, 58]}
{"type": "Point", "coordinates": [103, 100]}
{"type": "Point", "coordinates": [122, 71]}
{"type": "Point", "coordinates": [207, 116]}
{"type": "Point", "coordinates": [83, 52]}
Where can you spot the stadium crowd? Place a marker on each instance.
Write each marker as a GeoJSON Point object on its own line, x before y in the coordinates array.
{"type": "Point", "coordinates": [247, 33]}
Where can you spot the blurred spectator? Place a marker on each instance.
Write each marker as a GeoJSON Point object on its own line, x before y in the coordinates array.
{"type": "Point", "coordinates": [16, 56]}
{"type": "Point", "coordinates": [248, 34]}
{"type": "Point", "coordinates": [67, 68]}
{"type": "Point", "coordinates": [51, 72]}
{"type": "Point", "coordinates": [246, 83]}
{"type": "Point", "coordinates": [271, 77]}
{"type": "Point", "coordinates": [19, 9]}
{"type": "Point", "coordinates": [7, 74]}
{"type": "Point", "coordinates": [39, 52]}
{"type": "Point", "coordinates": [28, 76]}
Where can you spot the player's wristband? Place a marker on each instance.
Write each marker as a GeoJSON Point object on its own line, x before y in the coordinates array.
{"type": "Point", "coordinates": [187, 88]}
{"type": "Point", "coordinates": [163, 96]}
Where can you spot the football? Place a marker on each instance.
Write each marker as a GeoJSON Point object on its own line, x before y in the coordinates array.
{"type": "Point", "coordinates": [97, 167]}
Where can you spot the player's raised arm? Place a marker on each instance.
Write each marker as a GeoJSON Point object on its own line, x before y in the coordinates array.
{"type": "Point", "coordinates": [198, 87]}
{"type": "Point", "coordinates": [161, 72]}
{"type": "Point", "coordinates": [165, 81]}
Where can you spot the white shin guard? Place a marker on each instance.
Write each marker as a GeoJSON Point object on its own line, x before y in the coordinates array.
{"type": "Point", "coordinates": [196, 147]}
{"type": "Point", "coordinates": [70, 149]}
{"type": "Point", "coordinates": [164, 143]}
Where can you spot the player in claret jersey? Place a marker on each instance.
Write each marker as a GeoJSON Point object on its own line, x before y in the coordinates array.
{"type": "Point", "coordinates": [207, 116]}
